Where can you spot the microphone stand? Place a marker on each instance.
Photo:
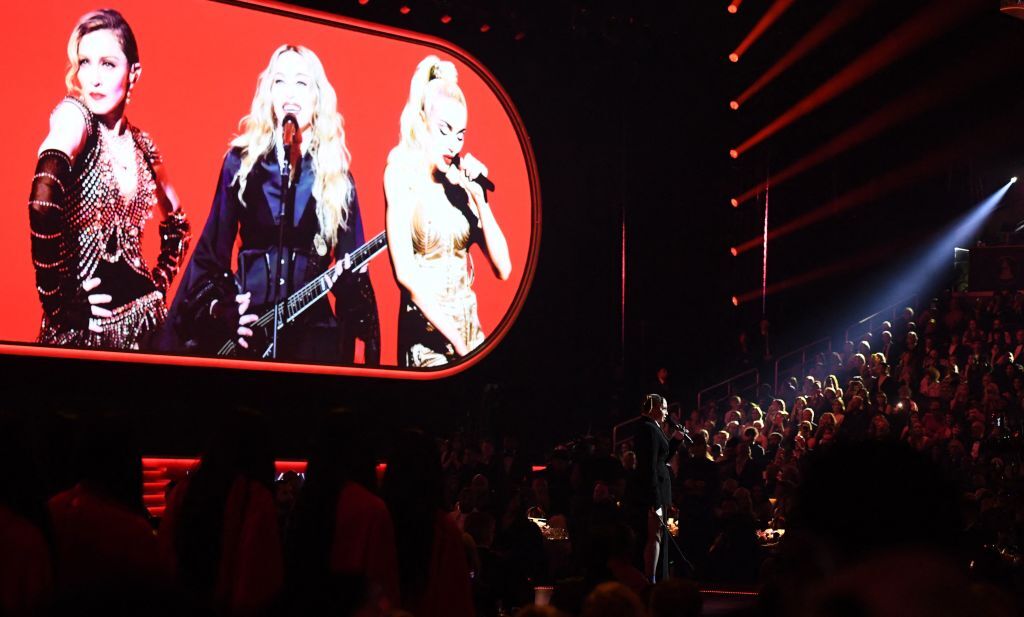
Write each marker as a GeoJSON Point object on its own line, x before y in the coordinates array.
{"type": "Point", "coordinates": [285, 220]}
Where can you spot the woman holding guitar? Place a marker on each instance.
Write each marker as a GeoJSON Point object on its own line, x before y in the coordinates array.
{"type": "Point", "coordinates": [325, 226]}
{"type": "Point", "coordinates": [436, 210]}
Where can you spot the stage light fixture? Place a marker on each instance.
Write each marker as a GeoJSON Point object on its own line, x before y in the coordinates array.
{"type": "Point", "coordinates": [446, 19]}
{"type": "Point", "coordinates": [733, 105]}
{"type": "Point", "coordinates": [734, 154]}
{"type": "Point", "coordinates": [404, 9]}
{"type": "Point", "coordinates": [735, 202]}
{"type": "Point", "coordinates": [733, 251]}
{"type": "Point", "coordinates": [773, 13]}
{"type": "Point", "coordinates": [485, 27]}
{"type": "Point", "coordinates": [1013, 8]}
{"type": "Point", "coordinates": [931, 262]}
{"type": "Point", "coordinates": [1013, 179]}
{"type": "Point", "coordinates": [364, 2]}
{"type": "Point", "coordinates": [970, 72]}
{"type": "Point", "coordinates": [924, 26]}
{"type": "Point", "coordinates": [841, 15]}
{"type": "Point", "coordinates": [735, 301]}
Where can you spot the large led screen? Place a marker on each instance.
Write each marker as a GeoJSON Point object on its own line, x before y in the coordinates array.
{"type": "Point", "coordinates": [174, 172]}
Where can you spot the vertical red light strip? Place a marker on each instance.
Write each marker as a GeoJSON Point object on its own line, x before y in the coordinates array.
{"type": "Point", "coordinates": [764, 252]}
{"type": "Point", "coordinates": [622, 324]}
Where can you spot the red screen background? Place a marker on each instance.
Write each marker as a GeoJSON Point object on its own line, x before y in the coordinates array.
{"type": "Point", "coordinates": [200, 61]}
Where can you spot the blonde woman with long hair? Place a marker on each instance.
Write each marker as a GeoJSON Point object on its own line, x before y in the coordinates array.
{"type": "Point", "coordinates": [325, 228]}
{"type": "Point", "coordinates": [436, 210]}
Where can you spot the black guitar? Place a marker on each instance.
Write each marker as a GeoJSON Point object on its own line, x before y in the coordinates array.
{"type": "Point", "coordinates": [289, 310]}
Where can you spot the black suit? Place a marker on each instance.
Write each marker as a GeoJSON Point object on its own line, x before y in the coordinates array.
{"type": "Point", "coordinates": [320, 335]}
{"type": "Point", "coordinates": [652, 483]}
{"type": "Point", "coordinates": [653, 450]}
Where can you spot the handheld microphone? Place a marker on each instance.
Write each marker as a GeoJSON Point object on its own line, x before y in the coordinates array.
{"type": "Point", "coordinates": [482, 180]}
{"type": "Point", "coordinates": [687, 438]}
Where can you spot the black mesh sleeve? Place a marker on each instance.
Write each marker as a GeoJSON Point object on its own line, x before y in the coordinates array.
{"type": "Point", "coordinates": [175, 235]}
{"type": "Point", "coordinates": [63, 301]}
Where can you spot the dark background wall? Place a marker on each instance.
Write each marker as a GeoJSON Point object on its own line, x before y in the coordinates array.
{"type": "Point", "coordinates": [626, 105]}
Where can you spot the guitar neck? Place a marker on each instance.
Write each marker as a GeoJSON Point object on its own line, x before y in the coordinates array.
{"type": "Point", "coordinates": [318, 287]}
{"type": "Point", "coordinates": [288, 310]}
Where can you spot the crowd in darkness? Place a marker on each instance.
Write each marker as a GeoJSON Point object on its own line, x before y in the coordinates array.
{"type": "Point", "coordinates": [894, 467]}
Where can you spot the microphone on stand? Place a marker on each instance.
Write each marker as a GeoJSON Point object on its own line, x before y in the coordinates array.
{"type": "Point", "coordinates": [291, 138]}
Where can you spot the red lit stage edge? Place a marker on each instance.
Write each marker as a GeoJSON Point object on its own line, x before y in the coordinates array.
{"type": "Point", "coordinates": [158, 472]}
{"type": "Point", "coordinates": [200, 63]}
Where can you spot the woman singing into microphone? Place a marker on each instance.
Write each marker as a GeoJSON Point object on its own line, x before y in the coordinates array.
{"type": "Point", "coordinates": [436, 210]}
{"type": "Point", "coordinates": [96, 182]}
{"type": "Point", "coordinates": [326, 226]}
{"type": "Point", "coordinates": [650, 492]}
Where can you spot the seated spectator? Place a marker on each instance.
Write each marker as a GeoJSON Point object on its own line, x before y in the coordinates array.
{"type": "Point", "coordinates": [486, 573]}
{"type": "Point", "coordinates": [613, 600]}
{"type": "Point", "coordinates": [879, 429]}
{"type": "Point", "coordinates": [432, 567]}
{"type": "Point", "coordinates": [341, 528]}
{"type": "Point", "coordinates": [929, 386]}
{"type": "Point", "coordinates": [101, 529]}
{"type": "Point", "coordinates": [219, 536]}
{"type": "Point", "coordinates": [26, 569]}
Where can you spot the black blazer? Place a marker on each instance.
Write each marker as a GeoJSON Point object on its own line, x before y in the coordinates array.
{"type": "Point", "coordinates": [255, 223]}
{"type": "Point", "coordinates": [653, 483]}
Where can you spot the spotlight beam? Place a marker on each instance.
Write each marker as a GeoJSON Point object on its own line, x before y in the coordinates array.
{"type": "Point", "coordinates": [773, 13]}
{"type": "Point", "coordinates": [921, 269]}
{"type": "Point", "coordinates": [923, 26]}
{"type": "Point", "coordinates": [942, 86]}
{"type": "Point", "coordinates": [829, 25]}
{"type": "Point", "coordinates": [928, 263]}
{"type": "Point", "coordinates": [994, 129]}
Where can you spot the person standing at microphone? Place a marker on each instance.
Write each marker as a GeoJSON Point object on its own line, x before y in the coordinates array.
{"type": "Point", "coordinates": [437, 209]}
{"type": "Point", "coordinates": [650, 492]}
{"type": "Point", "coordinates": [96, 182]}
{"type": "Point", "coordinates": [325, 227]}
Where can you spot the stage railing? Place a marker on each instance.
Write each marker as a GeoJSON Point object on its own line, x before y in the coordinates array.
{"type": "Point", "coordinates": [786, 365]}
{"type": "Point", "coordinates": [616, 444]}
{"type": "Point", "coordinates": [871, 322]}
{"type": "Point", "coordinates": [795, 362]}
{"type": "Point", "coordinates": [740, 384]}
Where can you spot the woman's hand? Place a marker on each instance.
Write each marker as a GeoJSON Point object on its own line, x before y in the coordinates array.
{"type": "Point", "coordinates": [470, 168]}
{"type": "Point", "coordinates": [95, 302]}
{"type": "Point", "coordinates": [495, 245]}
{"type": "Point", "coordinates": [245, 319]}
{"type": "Point", "coordinates": [402, 202]}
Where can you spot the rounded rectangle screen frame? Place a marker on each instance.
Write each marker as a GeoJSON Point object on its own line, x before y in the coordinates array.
{"type": "Point", "coordinates": [390, 372]}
